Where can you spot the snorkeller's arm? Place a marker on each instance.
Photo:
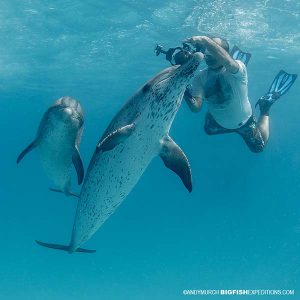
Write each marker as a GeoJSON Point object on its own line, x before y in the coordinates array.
{"type": "Point", "coordinates": [193, 102]}
{"type": "Point", "coordinates": [193, 94]}
{"type": "Point", "coordinates": [216, 51]}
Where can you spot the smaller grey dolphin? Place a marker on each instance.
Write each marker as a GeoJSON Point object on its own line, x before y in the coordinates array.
{"type": "Point", "coordinates": [58, 138]}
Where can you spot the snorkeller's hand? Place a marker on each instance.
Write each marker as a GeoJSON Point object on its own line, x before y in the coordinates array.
{"type": "Point", "coordinates": [183, 57]}
{"type": "Point", "coordinates": [200, 41]}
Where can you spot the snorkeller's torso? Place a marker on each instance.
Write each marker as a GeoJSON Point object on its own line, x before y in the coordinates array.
{"type": "Point", "coordinates": [226, 95]}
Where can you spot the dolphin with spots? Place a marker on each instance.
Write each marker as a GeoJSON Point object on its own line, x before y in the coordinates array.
{"type": "Point", "coordinates": [57, 139]}
{"type": "Point", "coordinates": [138, 133]}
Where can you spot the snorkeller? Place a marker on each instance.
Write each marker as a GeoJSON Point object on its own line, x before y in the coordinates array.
{"type": "Point", "coordinates": [223, 84]}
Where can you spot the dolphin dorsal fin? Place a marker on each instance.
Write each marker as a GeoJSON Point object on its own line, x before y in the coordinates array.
{"type": "Point", "coordinates": [175, 159]}
{"type": "Point", "coordinates": [115, 138]}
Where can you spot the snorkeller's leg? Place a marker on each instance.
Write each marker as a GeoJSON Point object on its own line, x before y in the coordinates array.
{"type": "Point", "coordinates": [211, 127]}
{"type": "Point", "coordinates": [252, 135]}
{"type": "Point", "coordinates": [263, 125]}
{"type": "Point", "coordinates": [264, 119]}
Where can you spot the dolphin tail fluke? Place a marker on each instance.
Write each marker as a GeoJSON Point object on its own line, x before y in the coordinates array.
{"type": "Point", "coordinates": [63, 247]}
{"type": "Point", "coordinates": [67, 193]}
{"type": "Point", "coordinates": [54, 246]}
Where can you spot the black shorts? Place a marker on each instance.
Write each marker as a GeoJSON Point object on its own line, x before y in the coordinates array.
{"type": "Point", "coordinates": [249, 132]}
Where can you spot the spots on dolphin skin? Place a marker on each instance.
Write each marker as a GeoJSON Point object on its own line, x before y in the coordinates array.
{"type": "Point", "coordinates": [169, 110]}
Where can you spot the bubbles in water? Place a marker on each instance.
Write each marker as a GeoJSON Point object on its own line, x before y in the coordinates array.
{"type": "Point", "coordinates": [254, 24]}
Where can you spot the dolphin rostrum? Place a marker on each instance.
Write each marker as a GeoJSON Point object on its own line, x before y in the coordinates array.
{"type": "Point", "coordinates": [138, 133]}
{"type": "Point", "coordinates": [58, 138]}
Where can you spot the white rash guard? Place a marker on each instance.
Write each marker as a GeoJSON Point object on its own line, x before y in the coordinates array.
{"type": "Point", "coordinates": [229, 104]}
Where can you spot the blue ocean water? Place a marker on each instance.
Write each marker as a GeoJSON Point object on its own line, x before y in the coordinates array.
{"type": "Point", "coordinates": [238, 229]}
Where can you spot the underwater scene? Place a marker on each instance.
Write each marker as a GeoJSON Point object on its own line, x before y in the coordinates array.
{"type": "Point", "coordinates": [150, 149]}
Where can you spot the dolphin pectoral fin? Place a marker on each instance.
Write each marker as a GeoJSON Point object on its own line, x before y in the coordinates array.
{"type": "Point", "coordinates": [63, 247]}
{"type": "Point", "coordinates": [175, 159]}
{"type": "Point", "coordinates": [77, 161]}
{"type": "Point", "coordinates": [26, 150]}
{"type": "Point", "coordinates": [66, 193]}
{"type": "Point", "coordinates": [73, 194]}
{"type": "Point", "coordinates": [115, 138]}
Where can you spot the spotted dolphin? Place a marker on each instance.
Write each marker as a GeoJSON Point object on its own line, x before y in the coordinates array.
{"type": "Point", "coordinates": [138, 133]}
{"type": "Point", "coordinates": [57, 139]}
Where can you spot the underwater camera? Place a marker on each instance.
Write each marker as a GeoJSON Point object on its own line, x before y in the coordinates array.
{"type": "Point", "coordinates": [178, 55]}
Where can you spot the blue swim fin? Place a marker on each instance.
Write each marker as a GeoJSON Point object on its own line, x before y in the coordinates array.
{"type": "Point", "coordinates": [280, 85]}
{"type": "Point", "coordinates": [238, 54]}
{"type": "Point", "coordinates": [63, 247]}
